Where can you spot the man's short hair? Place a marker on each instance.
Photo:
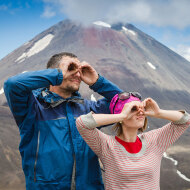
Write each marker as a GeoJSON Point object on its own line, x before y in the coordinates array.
{"type": "Point", "coordinates": [54, 61]}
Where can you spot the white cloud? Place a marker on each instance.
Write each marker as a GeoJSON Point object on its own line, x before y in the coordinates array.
{"type": "Point", "coordinates": [48, 12]}
{"type": "Point", "coordinates": [159, 13]}
{"type": "Point", "coordinates": [183, 50]}
{"type": "Point", "coordinates": [127, 31]}
{"type": "Point", "coordinates": [104, 24]}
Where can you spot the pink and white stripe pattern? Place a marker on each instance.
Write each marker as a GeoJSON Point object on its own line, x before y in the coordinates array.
{"type": "Point", "coordinates": [124, 170]}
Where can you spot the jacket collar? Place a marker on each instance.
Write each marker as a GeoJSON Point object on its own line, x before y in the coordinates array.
{"type": "Point", "coordinates": [54, 99]}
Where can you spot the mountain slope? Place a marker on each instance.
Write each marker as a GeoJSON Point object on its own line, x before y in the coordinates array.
{"type": "Point", "coordinates": [122, 53]}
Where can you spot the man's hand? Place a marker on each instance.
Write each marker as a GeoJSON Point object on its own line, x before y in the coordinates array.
{"type": "Point", "coordinates": [69, 66]}
{"type": "Point", "coordinates": [88, 73]}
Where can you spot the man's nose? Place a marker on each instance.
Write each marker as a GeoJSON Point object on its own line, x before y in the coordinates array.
{"type": "Point", "coordinates": [77, 74]}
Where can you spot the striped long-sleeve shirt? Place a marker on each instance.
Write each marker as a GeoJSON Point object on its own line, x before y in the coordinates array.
{"type": "Point", "coordinates": [124, 170]}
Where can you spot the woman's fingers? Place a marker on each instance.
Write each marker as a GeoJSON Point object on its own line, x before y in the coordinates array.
{"type": "Point", "coordinates": [134, 108]}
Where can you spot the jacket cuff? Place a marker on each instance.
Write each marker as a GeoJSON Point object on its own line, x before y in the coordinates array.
{"type": "Point", "coordinates": [59, 77]}
{"type": "Point", "coordinates": [97, 84]}
{"type": "Point", "coordinates": [89, 121]}
{"type": "Point", "coordinates": [184, 118]}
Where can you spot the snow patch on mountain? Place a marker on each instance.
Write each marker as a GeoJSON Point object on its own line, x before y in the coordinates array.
{"type": "Point", "coordinates": [36, 48]}
{"type": "Point", "coordinates": [128, 31]}
{"type": "Point", "coordinates": [22, 57]}
{"type": "Point", "coordinates": [151, 65]}
{"type": "Point", "coordinates": [104, 24]}
{"type": "Point", "coordinates": [183, 176]}
{"type": "Point", "coordinates": [1, 91]}
{"type": "Point", "coordinates": [93, 97]}
{"type": "Point", "coordinates": [175, 163]}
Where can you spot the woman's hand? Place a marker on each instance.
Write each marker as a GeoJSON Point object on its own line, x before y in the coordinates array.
{"type": "Point", "coordinates": [151, 107]}
{"type": "Point", "coordinates": [131, 109]}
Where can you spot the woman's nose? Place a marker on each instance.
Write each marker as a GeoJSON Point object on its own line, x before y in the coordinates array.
{"type": "Point", "coordinates": [141, 111]}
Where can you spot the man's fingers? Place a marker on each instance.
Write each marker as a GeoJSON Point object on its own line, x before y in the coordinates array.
{"type": "Point", "coordinates": [80, 71]}
{"type": "Point", "coordinates": [84, 63]}
{"type": "Point", "coordinates": [70, 63]}
{"type": "Point", "coordinates": [86, 66]}
{"type": "Point", "coordinates": [86, 69]}
{"type": "Point", "coordinates": [73, 71]}
{"type": "Point", "coordinates": [73, 66]}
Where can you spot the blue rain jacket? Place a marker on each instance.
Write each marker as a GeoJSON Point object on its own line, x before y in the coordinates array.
{"type": "Point", "coordinates": [50, 142]}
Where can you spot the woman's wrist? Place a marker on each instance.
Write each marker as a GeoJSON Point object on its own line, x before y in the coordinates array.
{"type": "Point", "coordinates": [160, 113]}
{"type": "Point", "coordinates": [122, 116]}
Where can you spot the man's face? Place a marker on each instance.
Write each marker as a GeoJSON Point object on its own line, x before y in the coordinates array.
{"type": "Point", "coordinates": [72, 83]}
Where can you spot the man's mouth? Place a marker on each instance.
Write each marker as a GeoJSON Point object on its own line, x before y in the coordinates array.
{"type": "Point", "coordinates": [76, 81]}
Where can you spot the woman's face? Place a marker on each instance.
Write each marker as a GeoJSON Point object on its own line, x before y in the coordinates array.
{"type": "Point", "coordinates": [138, 118]}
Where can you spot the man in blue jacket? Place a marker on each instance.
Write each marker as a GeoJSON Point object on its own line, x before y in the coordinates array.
{"type": "Point", "coordinates": [45, 105]}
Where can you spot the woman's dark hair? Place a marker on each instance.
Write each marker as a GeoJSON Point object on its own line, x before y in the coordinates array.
{"type": "Point", "coordinates": [54, 61]}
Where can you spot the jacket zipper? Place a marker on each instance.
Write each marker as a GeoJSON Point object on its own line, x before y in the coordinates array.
{"type": "Point", "coordinates": [73, 178]}
{"type": "Point", "coordinates": [38, 144]}
{"type": "Point", "coordinates": [73, 183]}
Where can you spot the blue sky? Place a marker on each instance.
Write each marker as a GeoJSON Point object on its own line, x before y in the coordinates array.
{"type": "Point", "coordinates": [168, 21]}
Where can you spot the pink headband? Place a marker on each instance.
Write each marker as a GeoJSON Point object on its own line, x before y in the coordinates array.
{"type": "Point", "coordinates": [120, 103]}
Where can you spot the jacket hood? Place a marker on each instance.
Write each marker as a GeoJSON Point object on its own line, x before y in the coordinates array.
{"type": "Point", "coordinates": [43, 94]}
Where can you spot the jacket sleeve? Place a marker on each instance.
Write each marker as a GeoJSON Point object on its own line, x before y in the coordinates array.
{"type": "Point", "coordinates": [96, 140]}
{"type": "Point", "coordinates": [18, 89]}
{"type": "Point", "coordinates": [108, 90]}
{"type": "Point", "coordinates": [168, 134]}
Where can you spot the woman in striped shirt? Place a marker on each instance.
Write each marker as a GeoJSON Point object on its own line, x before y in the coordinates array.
{"type": "Point", "coordinates": [132, 161]}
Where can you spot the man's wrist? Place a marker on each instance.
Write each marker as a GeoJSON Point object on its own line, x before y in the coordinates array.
{"type": "Point", "coordinates": [95, 80]}
{"type": "Point", "coordinates": [98, 84]}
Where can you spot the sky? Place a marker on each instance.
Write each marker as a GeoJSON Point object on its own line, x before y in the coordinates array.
{"type": "Point", "coordinates": [168, 21]}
